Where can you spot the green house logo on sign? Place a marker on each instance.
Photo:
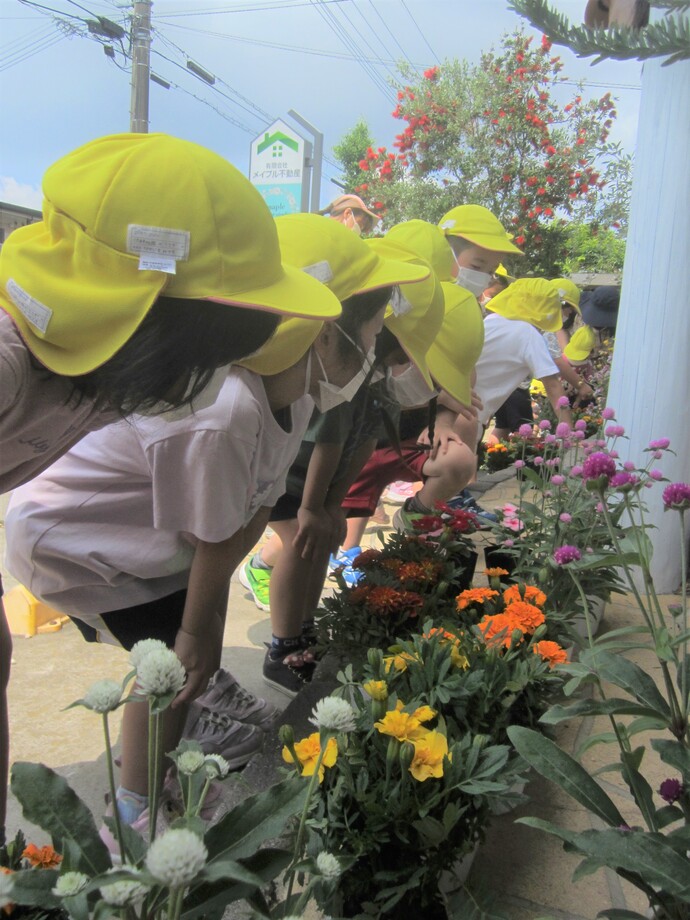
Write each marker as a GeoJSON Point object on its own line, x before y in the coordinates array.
{"type": "Point", "coordinates": [276, 168]}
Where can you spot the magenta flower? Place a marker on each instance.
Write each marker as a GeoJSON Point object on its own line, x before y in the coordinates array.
{"type": "Point", "coordinates": [598, 465]}
{"type": "Point", "coordinates": [563, 402]}
{"type": "Point", "coordinates": [578, 435]}
{"type": "Point", "coordinates": [580, 425]}
{"type": "Point", "coordinates": [557, 480]}
{"type": "Point", "coordinates": [677, 496]}
{"type": "Point", "coordinates": [656, 474]}
{"type": "Point", "coordinates": [671, 790]}
{"type": "Point", "coordinates": [519, 464]}
{"type": "Point", "coordinates": [614, 431]}
{"type": "Point", "coordinates": [658, 454]}
{"type": "Point", "coordinates": [576, 471]}
{"type": "Point", "coordinates": [565, 554]}
{"type": "Point", "coordinates": [525, 431]}
{"type": "Point", "coordinates": [614, 454]}
{"type": "Point", "coordinates": [565, 517]}
{"type": "Point", "coordinates": [628, 465]}
{"type": "Point", "coordinates": [623, 482]}
{"type": "Point", "coordinates": [562, 430]}
{"type": "Point", "coordinates": [660, 444]}
{"type": "Point", "coordinates": [545, 424]}
{"type": "Point", "coordinates": [509, 543]}
{"type": "Point", "coordinates": [538, 461]}
{"type": "Point", "coordinates": [550, 439]}
{"type": "Point", "coordinates": [608, 413]}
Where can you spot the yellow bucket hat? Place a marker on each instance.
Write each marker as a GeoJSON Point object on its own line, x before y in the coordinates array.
{"type": "Point", "coordinates": [456, 349]}
{"type": "Point", "coordinates": [534, 300]}
{"type": "Point", "coordinates": [581, 345]}
{"type": "Point", "coordinates": [343, 262]}
{"type": "Point", "coordinates": [478, 225]}
{"type": "Point", "coordinates": [568, 292]}
{"type": "Point", "coordinates": [502, 272]}
{"type": "Point", "coordinates": [127, 218]}
{"type": "Point", "coordinates": [428, 242]}
{"type": "Point", "coordinates": [415, 313]}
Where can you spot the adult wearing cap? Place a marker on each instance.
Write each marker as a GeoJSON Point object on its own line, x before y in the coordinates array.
{"type": "Point", "coordinates": [126, 297]}
{"type": "Point", "coordinates": [514, 347]}
{"type": "Point", "coordinates": [194, 492]}
{"type": "Point", "coordinates": [599, 309]}
{"type": "Point", "coordinates": [351, 211]}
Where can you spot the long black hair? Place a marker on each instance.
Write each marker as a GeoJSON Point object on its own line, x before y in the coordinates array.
{"type": "Point", "coordinates": [174, 353]}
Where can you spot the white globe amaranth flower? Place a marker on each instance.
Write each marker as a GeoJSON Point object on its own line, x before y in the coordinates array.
{"type": "Point", "coordinates": [142, 648]}
{"type": "Point", "coordinates": [190, 762]}
{"type": "Point", "coordinates": [160, 672]}
{"type": "Point", "coordinates": [69, 884]}
{"type": "Point", "coordinates": [6, 886]}
{"type": "Point", "coordinates": [216, 766]}
{"type": "Point", "coordinates": [103, 696]}
{"type": "Point", "coordinates": [328, 865]}
{"type": "Point", "coordinates": [176, 858]}
{"type": "Point", "coordinates": [125, 893]}
{"type": "Point", "coordinates": [333, 714]}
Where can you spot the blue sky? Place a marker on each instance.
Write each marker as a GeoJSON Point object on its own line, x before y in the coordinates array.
{"type": "Point", "coordinates": [60, 90]}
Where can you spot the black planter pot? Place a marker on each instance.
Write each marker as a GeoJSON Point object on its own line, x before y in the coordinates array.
{"type": "Point", "coordinates": [469, 563]}
{"type": "Point", "coordinates": [496, 557]}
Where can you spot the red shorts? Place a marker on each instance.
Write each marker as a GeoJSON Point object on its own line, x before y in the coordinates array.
{"type": "Point", "coordinates": [383, 467]}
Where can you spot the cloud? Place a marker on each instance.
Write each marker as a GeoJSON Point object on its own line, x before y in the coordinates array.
{"type": "Point", "coordinates": [13, 192]}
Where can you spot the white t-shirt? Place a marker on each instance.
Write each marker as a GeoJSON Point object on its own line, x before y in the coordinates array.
{"type": "Point", "coordinates": [114, 522]}
{"type": "Point", "coordinates": [512, 350]}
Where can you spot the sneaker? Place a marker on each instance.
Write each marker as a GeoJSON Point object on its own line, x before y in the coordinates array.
{"type": "Point", "coordinates": [343, 557]}
{"type": "Point", "coordinates": [283, 677]}
{"type": "Point", "coordinates": [403, 519]}
{"type": "Point", "coordinates": [217, 733]}
{"type": "Point", "coordinates": [225, 696]}
{"type": "Point", "coordinates": [465, 501]}
{"type": "Point", "coordinates": [397, 493]}
{"type": "Point", "coordinates": [257, 581]}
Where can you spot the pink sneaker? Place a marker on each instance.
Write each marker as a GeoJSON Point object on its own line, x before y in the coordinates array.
{"type": "Point", "coordinates": [398, 492]}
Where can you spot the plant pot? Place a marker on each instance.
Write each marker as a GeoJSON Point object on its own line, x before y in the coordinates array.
{"type": "Point", "coordinates": [455, 877]}
{"type": "Point", "coordinates": [496, 557]}
{"type": "Point", "coordinates": [464, 580]}
{"type": "Point", "coordinates": [597, 605]}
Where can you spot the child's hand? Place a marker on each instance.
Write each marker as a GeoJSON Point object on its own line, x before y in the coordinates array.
{"type": "Point", "coordinates": [313, 531]}
{"type": "Point", "coordinates": [338, 527]}
{"type": "Point", "coordinates": [200, 657]}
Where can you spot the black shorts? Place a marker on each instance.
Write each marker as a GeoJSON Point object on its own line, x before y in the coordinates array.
{"type": "Point", "coordinates": [160, 619]}
{"type": "Point", "coordinates": [515, 411]}
{"type": "Point", "coordinates": [286, 508]}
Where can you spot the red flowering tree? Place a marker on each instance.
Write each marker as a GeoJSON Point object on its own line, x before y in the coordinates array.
{"type": "Point", "coordinates": [500, 134]}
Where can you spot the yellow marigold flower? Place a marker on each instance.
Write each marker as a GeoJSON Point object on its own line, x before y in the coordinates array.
{"type": "Point", "coordinates": [42, 857]}
{"type": "Point", "coordinates": [475, 596]}
{"type": "Point", "coordinates": [495, 572]}
{"type": "Point", "coordinates": [401, 725]}
{"type": "Point", "coordinates": [429, 752]}
{"type": "Point", "coordinates": [498, 630]}
{"type": "Point", "coordinates": [458, 659]}
{"type": "Point", "coordinates": [377, 689]}
{"type": "Point", "coordinates": [532, 595]}
{"type": "Point", "coordinates": [422, 713]}
{"type": "Point", "coordinates": [551, 652]}
{"type": "Point", "coordinates": [527, 616]}
{"type": "Point", "coordinates": [308, 750]}
{"type": "Point", "coordinates": [400, 661]}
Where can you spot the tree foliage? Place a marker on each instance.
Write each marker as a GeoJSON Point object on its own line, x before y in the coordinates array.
{"type": "Point", "coordinates": [351, 149]}
{"type": "Point", "coordinates": [497, 134]}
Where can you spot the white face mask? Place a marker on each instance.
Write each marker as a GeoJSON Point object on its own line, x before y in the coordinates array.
{"type": "Point", "coordinates": [202, 400]}
{"type": "Point", "coordinates": [410, 389]}
{"type": "Point", "coordinates": [330, 395]}
{"type": "Point", "coordinates": [473, 281]}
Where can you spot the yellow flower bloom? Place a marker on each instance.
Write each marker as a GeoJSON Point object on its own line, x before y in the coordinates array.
{"type": "Point", "coordinates": [377, 689]}
{"type": "Point", "coordinates": [429, 752]}
{"type": "Point", "coordinates": [458, 659]}
{"type": "Point", "coordinates": [308, 750]}
{"type": "Point", "coordinates": [399, 661]}
{"type": "Point", "coordinates": [423, 713]}
{"type": "Point", "coordinates": [400, 725]}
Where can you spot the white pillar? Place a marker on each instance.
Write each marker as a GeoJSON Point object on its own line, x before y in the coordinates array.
{"type": "Point", "coordinates": [650, 379]}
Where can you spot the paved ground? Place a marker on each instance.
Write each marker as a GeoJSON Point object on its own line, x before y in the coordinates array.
{"type": "Point", "coordinates": [526, 871]}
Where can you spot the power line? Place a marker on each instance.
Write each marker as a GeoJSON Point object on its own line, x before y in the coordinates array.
{"type": "Point", "coordinates": [423, 36]}
{"type": "Point", "coordinates": [385, 25]}
{"type": "Point", "coordinates": [245, 9]}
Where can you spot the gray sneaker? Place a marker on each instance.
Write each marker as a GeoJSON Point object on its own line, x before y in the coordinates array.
{"type": "Point", "coordinates": [225, 696]}
{"type": "Point", "coordinates": [217, 733]}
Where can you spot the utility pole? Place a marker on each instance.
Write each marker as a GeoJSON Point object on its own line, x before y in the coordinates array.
{"type": "Point", "coordinates": [315, 160]}
{"type": "Point", "coordinates": [141, 66]}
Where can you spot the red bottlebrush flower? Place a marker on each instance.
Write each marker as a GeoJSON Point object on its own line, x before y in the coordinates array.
{"type": "Point", "coordinates": [541, 191]}
{"type": "Point", "coordinates": [545, 44]}
{"type": "Point", "coordinates": [548, 212]}
{"type": "Point", "coordinates": [531, 181]}
{"type": "Point", "coordinates": [523, 202]}
{"type": "Point", "coordinates": [550, 180]}
{"type": "Point", "coordinates": [520, 240]}
{"type": "Point", "coordinates": [401, 95]}
{"type": "Point", "coordinates": [580, 141]}
{"type": "Point", "coordinates": [377, 205]}
{"type": "Point", "coordinates": [568, 107]}
{"type": "Point", "coordinates": [432, 73]}
{"type": "Point", "coordinates": [550, 150]}
{"type": "Point", "coordinates": [507, 177]}
{"type": "Point", "coordinates": [363, 164]}
{"type": "Point", "coordinates": [519, 57]}
{"type": "Point", "coordinates": [410, 94]}
{"type": "Point", "coordinates": [578, 99]}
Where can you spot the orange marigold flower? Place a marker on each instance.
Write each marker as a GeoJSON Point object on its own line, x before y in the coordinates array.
{"type": "Point", "coordinates": [498, 630]}
{"type": "Point", "coordinates": [359, 594]}
{"type": "Point", "coordinates": [42, 857]}
{"type": "Point", "coordinates": [527, 616]}
{"type": "Point", "coordinates": [495, 572]}
{"type": "Point", "coordinates": [418, 571]}
{"type": "Point", "coordinates": [392, 565]}
{"type": "Point", "coordinates": [532, 595]}
{"type": "Point", "coordinates": [474, 596]}
{"type": "Point", "coordinates": [365, 558]}
{"type": "Point", "coordinates": [551, 652]}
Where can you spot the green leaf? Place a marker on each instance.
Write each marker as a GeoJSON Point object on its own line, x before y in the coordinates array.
{"type": "Point", "coordinates": [674, 754]}
{"type": "Point", "coordinates": [627, 676]}
{"type": "Point", "coordinates": [614, 706]}
{"type": "Point", "coordinates": [33, 888]}
{"type": "Point", "coordinates": [587, 867]}
{"type": "Point", "coordinates": [554, 764]}
{"type": "Point", "coordinates": [48, 801]}
{"type": "Point", "coordinates": [229, 870]}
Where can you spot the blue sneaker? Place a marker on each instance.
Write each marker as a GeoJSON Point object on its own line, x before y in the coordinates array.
{"type": "Point", "coordinates": [342, 563]}
{"type": "Point", "coordinates": [465, 501]}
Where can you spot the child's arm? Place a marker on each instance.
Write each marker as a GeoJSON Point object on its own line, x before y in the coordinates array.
{"type": "Point", "coordinates": [339, 490]}
{"type": "Point", "coordinates": [554, 391]}
{"type": "Point", "coordinates": [314, 526]}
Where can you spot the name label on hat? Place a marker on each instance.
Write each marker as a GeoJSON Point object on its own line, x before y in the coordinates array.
{"type": "Point", "coordinates": [158, 248]}
{"type": "Point", "coordinates": [31, 309]}
{"type": "Point", "coordinates": [322, 271]}
{"type": "Point", "coordinates": [400, 305]}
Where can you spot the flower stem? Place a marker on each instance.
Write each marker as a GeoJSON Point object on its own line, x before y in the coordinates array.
{"type": "Point", "coordinates": [684, 602]}
{"type": "Point", "coordinates": [155, 731]}
{"type": "Point", "coordinates": [313, 782]}
{"type": "Point", "coordinates": [111, 781]}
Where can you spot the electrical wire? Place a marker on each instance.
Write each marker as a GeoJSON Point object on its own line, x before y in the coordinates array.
{"type": "Point", "coordinates": [423, 36]}
{"type": "Point", "coordinates": [386, 27]}
{"type": "Point", "coordinates": [243, 9]}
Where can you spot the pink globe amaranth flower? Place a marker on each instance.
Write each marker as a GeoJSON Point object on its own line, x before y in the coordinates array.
{"type": "Point", "coordinates": [677, 496]}
{"type": "Point", "coordinates": [658, 454]}
{"type": "Point", "coordinates": [565, 517]}
{"type": "Point", "coordinates": [614, 431]}
{"type": "Point", "coordinates": [608, 413]}
{"type": "Point", "coordinates": [671, 790]}
{"type": "Point", "coordinates": [562, 430]}
{"type": "Point", "coordinates": [600, 442]}
{"type": "Point", "coordinates": [548, 493]}
{"type": "Point", "coordinates": [623, 481]}
{"type": "Point", "coordinates": [578, 435]}
{"type": "Point", "coordinates": [550, 439]}
{"type": "Point", "coordinates": [580, 425]}
{"type": "Point", "coordinates": [614, 454]}
{"type": "Point", "coordinates": [599, 508]}
{"type": "Point", "coordinates": [657, 475]}
{"type": "Point", "coordinates": [525, 431]}
{"type": "Point", "coordinates": [557, 480]}
{"type": "Point", "coordinates": [588, 549]}
{"type": "Point", "coordinates": [538, 461]}
{"type": "Point", "coordinates": [659, 444]}
{"type": "Point", "coordinates": [545, 424]}
{"type": "Point", "coordinates": [576, 471]}
{"type": "Point", "coordinates": [628, 465]}
{"type": "Point", "coordinates": [509, 543]}
{"type": "Point", "coordinates": [599, 465]}
{"type": "Point", "coordinates": [554, 461]}
{"type": "Point", "coordinates": [563, 402]}
{"type": "Point", "coordinates": [565, 554]}
{"type": "Point", "coordinates": [519, 464]}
